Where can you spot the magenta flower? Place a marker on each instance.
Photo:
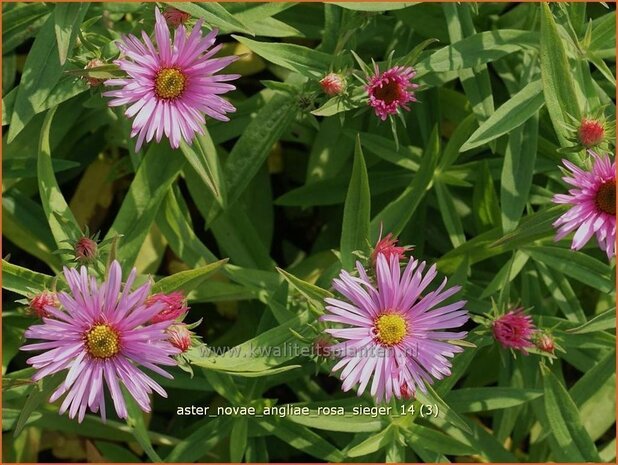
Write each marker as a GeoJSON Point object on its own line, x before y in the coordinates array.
{"type": "Point", "coordinates": [100, 336]}
{"type": "Point", "coordinates": [169, 88]}
{"type": "Point", "coordinates": [514, 330]}
{"type": "Point", "coordinates": [593, 201]}
{"type": "Point", "coordinates": [387, 246]}
{"type": "Point", "coordinates": [394, 334]}
{"type": "Point", "coordinates": [391, 90]}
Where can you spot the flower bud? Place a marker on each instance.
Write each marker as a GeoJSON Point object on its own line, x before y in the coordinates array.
{"type": "Point", "coordinates": [175, 17]}
{"type": "Point", "coordinates": [180, 336]}
{"type": "Point", "coordinates": [332, 84]}
{"type": "Point", "coordinates": [591, 132]}
{"type": "Point", "coordinates": [40, 301]}
{"type": "Point", "coordinates": [85, 249]}
{"type": "Point", "coordinates": [175, 306]}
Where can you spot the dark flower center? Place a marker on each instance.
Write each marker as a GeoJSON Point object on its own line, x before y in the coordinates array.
{"type": "Point", "coordinates": [606, 197]}
{"type": "Point", "coordinates": [169, 83]}
{"type": "Point", "coordinates": [388, 93]}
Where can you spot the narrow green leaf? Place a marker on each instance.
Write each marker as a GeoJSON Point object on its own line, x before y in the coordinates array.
{"type": "Point", "coordinates": [308, 62]}
{"type": "Point", "coordinates": [40, 393]}
{"type": "Point", "coordinates": [373, 443]}
{"type": "Point", "coordinates": [394, 217]}
{"type": "Point", "coordinates": [557, 77]}
{"type": "Point", "coordinates": [187, 280]}
{"type": "Point", "coordinates": [67, 21]}
{"type": "Point", "coordinates": [356, 211]}
{"type": "Point", "coordinates": [59, 216]}
{"type": "Point", "coordinates": [23, 281]}
{"type": "Point", "coordinates": [601, 322]}
{"type": "Point", "coordinates": [214, 15]}
{"type": "Point", "coordinates": [156, 173]}
{"type": "Point", "coordinates": [573, 441]}
{"type": "Point", "coordinates": [238, 439]}
{"type": "Point", "coordinates": [137, 424]}
{"type": "Point", "coordinates": [310, 291]}
{"type": "Point", "coordinates": [491, 398]}
{"type": "Point", "coordinates": [444, 409]}
{"type": "Point", "coordinates": [436, 441]}
{"type": "Point", "coordinates": [450, 216]}
{"type": "Point", "coordinates": [512, 114]}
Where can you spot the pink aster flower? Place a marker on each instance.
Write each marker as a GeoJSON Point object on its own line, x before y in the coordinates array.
{"type": "Point", "coordinates": [174, 306]}
{"type": "Point", "coordinates": [593, 204]}
{"type": "Point", "coordinates": [100, 336]}
{"type": "Point", "coordinates": [391, 90]}
{"type": "Point", "coordinates": [171, 86]}
{"type": "Point", "coordinates": [394, 336]}
{"type": "Point", "coordinates": [514, 330]}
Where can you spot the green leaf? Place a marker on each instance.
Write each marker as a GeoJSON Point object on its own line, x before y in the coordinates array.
{"type": "Point", "coordinates": [580, 266]}
{"type": "Point", "coordinates": [40, 393]}
{"type": "Point", "coordinates": [489, 398]}
{"type": "Point", "coordinates": [213, 14]}
{"type": "Point", "coordinates": [200, 441]}
{"type": "Point", "coordinates": [436, 441]}
{"type": "Point", "coordinates": [486, 208]}
{"type": "Point", "coordinates": [356, 211]}
{"type": "Point", "coordinates": [23, 281]}
{"type": "Point", "coordinates": [59, 216]}
{"type": "Point", "coordinates": [379, 6]}
{"type": "Point", "coordinates": [557, 77]}
{"type": "Point", "coordinates": [155, 175]}
{"type": "Point", "coordinates": [187, 280]}
{"type": "Point", "coordinates": [202, 156]}
{"type": "Point", "coordinates": [310, 291]}
{"type": "Point", "coordinates": [67, 20]}
{"type": "Point", "coordinates": [305, 61]}
{"type": "Point", "coordinates": [477, 50]}
{"type": "Point", "coordinates": [394, 217]}
{"type": "Point", "coordinates": [257, 356]}
{"type": "Point", "coordinates": [601, 322]}
{"type": "Point", "coordinates": [301, 438]}
{"type": "Point", "coordinates": [137, 424]}
{"type": "Point", "coordinates": [238, 439]}
{"type": "Point", "coordinates": [373, 443]}
{"type": "Point", "coordinates": [450, 216]}
{"type": "Point", "coordinates": [20, 23]}
{"type": "Point", "coordinates": [444, 409]}
{"type": "Point", "coordinates": [573, 441]}
{"type": "Point", "coordinates": [513, 113]}
{"type": "Point", "coordinates": [517, 172]}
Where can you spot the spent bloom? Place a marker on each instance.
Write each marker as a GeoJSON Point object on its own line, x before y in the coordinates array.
{"type": "Point", "coordinates": [39, 303]}
{"type": "Point", "coordinates": [173, 306]}
{"type": "Point", "coordinates": [394, 336]}
{"type": "Point", "coordinates": [99, 334]}
{"type": "Point", "coordinates": [175, 17]}
{"type": "Point", "coordinates": [332, 84]}
{"type": "Point", "coordinates": [593, 204]}
{"type": "Point", "coordinates": [171, 86]}
{"type": "Point", "coordinates": [514, 330]}
{"type": "Point", "coordinates": [387, 246]}
{"type": "Point", "coordinates": [391, 90]}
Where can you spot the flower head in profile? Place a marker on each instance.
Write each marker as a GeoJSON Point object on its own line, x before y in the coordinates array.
{"type": "Point", "coordinates": [39, 303]}
{"type": "Point", "coordinates": [174, 306]}
{"type": "Point", "coordinates": [391, 90]}
{"type": "Point", "coordinates": [514, 330]}
{"type": "Point", "coordinates": [332, 84]}
{"type": "Point", "coordinates": [175, 17]}
{"type": "Point", "coordinates": [171, 85]}
{"type": "Point", "coordinates": [593, 204]}
{"type": "Point", "coordinates": [388, 247]}
{"type": "Point", "coordinates": [395, 339]}
{"type": "Point", "coordinates": [100, 336]}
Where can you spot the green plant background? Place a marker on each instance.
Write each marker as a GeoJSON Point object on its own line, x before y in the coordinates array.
{"type": "Point", "coordinates": [288, 190]}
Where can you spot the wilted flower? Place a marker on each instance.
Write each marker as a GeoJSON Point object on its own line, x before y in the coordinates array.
{"type": "Point", "coordinates": [173, 306]}
{"type": "Point", "coordinates": [332, 84]}
{"type": "Point", "coordinates": [391, 90]}
{"type": "Point", "coordinates": [175, 17]}
{"type": "Point", "coordinates": [387, 246]}
{"type": "Point", "coordinates": [171, 87]}
{"type": "Point", "coordinates": [39, 303]}
{"type": "Point", "coordinates": [180, 336]}
{"type": "Point", "coordinates": [514, 330]}
{"type": "Point", "coordinates": [593, 204]}
{"type": "Point", "coordinates": [392, 334]}
{"type": "Point", "coordinates": [100, 336]}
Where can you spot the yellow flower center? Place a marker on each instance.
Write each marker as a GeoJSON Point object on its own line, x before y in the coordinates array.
{"type": "Point", "coordinates": [169, 83]}
{"type": "Point", "coordinates": [390, 329]}
{"type": "Point", "coordinates": [606, 197]}
{"type": "Point", "coordinates": [102, 341]}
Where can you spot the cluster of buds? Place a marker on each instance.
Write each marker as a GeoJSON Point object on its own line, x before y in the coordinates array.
{"type": "Point", "coordinates": [516, 330]}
